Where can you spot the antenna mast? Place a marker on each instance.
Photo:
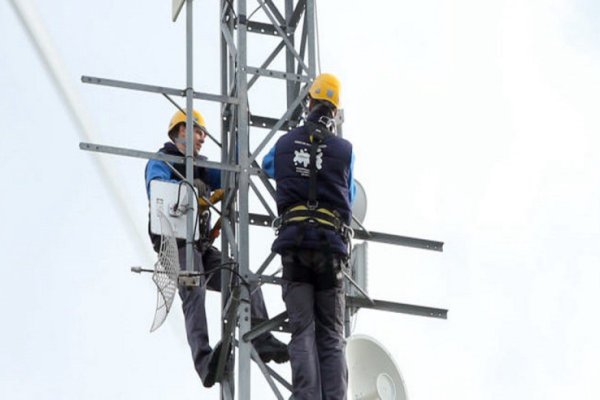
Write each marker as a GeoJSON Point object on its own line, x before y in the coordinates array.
{"type": "Point", "coordinates": [292, 26]}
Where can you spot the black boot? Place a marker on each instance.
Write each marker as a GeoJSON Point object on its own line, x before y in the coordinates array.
{"type": "Point", "coordinates": [269, 348]}
{"type": "Point", "coordinates": [211, 370]}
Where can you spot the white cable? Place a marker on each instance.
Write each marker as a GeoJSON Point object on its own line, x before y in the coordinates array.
{"type": "Point", "coordinates": [51, 60]}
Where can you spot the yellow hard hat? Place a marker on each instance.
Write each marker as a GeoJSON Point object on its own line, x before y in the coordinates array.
{"type": "Point", "coordinates": [180, 116]}
{"type": "Point", "coordinates": [326, 87]}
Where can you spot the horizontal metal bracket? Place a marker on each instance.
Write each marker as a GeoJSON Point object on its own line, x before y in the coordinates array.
{"type": "Point", "coordinates": [268, 123]}
{"type": "Point", "coordinates": [399, 240]}
{"type": "Point", "coordinates": [262, 28]}
{"type": "Point", "coordinates": [277, 323]}
{"type": "Point", "coordinates": [265, 220]}
{"type": "Point", "coordinates": [157, 89]}
{"type": "Point", "coordinates": [154, 156]}
{"type": "Point", "coordinates": [360, 302]}
{"type": "Point", "coordinates": [278, 74]}
{"type": "Point", "coordinates": [269, 279]}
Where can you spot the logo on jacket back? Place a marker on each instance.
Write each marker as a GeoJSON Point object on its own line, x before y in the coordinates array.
{"type": "Point", "coordinates": [302, 161]}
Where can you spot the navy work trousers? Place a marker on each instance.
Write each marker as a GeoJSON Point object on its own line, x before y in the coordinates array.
{"type": "Point", "coordinates": [193, 301]}
{"type": "Point", "coordinates": [314, 299]}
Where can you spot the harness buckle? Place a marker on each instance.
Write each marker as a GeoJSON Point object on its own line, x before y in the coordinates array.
{"type": "Point", "coordinates": [312, 205]}
{"type": "Point", "coordinates": [276, 224]}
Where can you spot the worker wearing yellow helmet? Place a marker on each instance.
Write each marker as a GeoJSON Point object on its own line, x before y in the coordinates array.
{"type": "Point", "coordinates": [315, 189]}
{"type": "Point", "coordinates": [177, 131]}
{"type": "Point", "coordinates": [207, 258]}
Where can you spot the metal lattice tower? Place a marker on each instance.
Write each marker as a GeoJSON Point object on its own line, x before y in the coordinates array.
{"type": "Point", "coordinates": [291, 25]}
{"type": "Point", "coordinates": [237, 80]}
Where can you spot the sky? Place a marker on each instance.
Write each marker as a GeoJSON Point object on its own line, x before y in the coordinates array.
{"type": "Point", "coordinates": [473, 123]}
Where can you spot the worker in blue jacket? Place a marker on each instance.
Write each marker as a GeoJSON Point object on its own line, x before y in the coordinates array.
{"type": "Point", "coordinates": [312, 168]}
{"type": "Point", "coordinates": [207, 258]}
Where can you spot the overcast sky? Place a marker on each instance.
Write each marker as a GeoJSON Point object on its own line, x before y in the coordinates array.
{"type": "Point", "coordinates": [474, 123]}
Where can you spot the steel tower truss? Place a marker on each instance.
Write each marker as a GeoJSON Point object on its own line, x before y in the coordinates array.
{"type": "Point", "coordinates": [291, 27]}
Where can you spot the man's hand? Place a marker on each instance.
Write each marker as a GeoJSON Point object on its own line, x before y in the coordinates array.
{"type": "Point", "coordinates": [201, 187]}
{"type": "Point", "coordinates": [216, 196]}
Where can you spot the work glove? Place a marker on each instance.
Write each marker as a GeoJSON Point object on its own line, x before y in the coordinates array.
{"type": "Point", "coordinates": [216, 196]}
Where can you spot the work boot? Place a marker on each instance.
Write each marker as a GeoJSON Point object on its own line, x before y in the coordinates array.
{"type": "Point", "coordinates": [211, 370]}
{"type": "Point", "coordinates": [271, 349]}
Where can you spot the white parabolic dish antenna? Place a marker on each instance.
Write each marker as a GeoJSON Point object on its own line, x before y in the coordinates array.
{"type": "Point", "coordinates": [372, 371]}
{"type": "Point", "coordinates": [359, 208]}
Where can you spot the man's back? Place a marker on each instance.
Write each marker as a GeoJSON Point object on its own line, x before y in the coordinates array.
{"type": "Point", "coordinates": [292, 170]}
{"type": "Point", "coordinates": [289, 164]}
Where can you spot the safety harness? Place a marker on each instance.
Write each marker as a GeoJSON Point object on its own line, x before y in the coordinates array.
{"type": "Point", "coordinates": [310, 212]}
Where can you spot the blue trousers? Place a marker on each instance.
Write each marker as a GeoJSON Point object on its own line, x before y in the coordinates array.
{"type": "Point", "coordinates": [193, 301]}
{"type": "Point", "coordinates": [315, 301]}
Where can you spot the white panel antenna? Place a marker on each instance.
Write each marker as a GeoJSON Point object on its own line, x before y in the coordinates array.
{"type": "Point", "coordinates": [172, 200]}
{"type": "Point", "coordinates": [359, 267]}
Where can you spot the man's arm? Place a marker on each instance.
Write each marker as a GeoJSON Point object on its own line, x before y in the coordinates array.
{"type": "Point", "coordinates": [214, 178]}
{"type": "Point", "coordinates": [268, 164]}
{"type": "Point", "coordinates": [351, 184]}
{"type": "Point", "coordinates": [156, 169]}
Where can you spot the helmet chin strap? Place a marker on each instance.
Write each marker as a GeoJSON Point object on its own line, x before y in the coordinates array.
{"type": "Point", "coordinates": [329, 123]}
{"type": "Point", "coordinates": [326, 120]}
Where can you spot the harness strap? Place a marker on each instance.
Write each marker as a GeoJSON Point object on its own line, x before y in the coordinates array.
{"type": "Point", "coordinates": [318, 132]}
{"type": "Point", "coordinates": [322, 216]}
{"type": "Point", "coordinates": [310, 212]}
{"type": "Point", "coordinates": [303, 215]}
